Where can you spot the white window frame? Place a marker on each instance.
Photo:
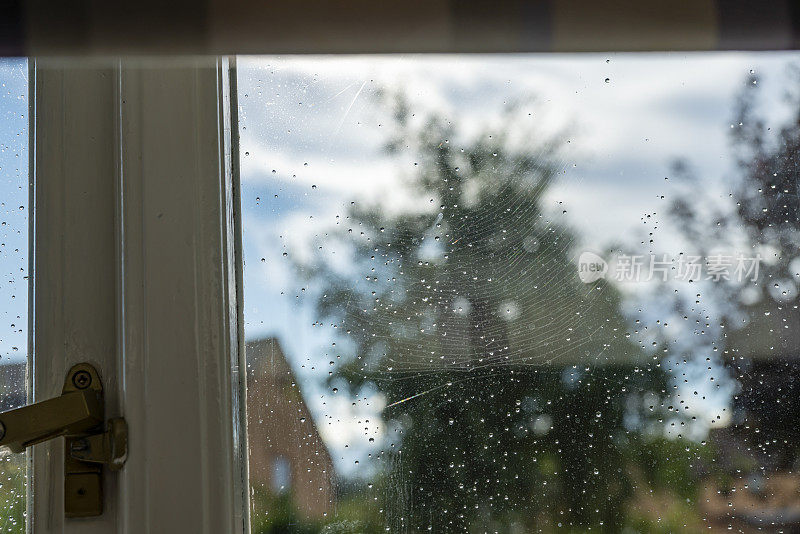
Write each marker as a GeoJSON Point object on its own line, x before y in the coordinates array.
{"type": "Point", "coordinates": [136, 268]}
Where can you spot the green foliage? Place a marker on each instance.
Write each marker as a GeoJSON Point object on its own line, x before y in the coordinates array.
{"type": "Point", "coordinates": [345, 527]}
{"type": "Point", "coordinates": [672, 463]}
{"type": "Point", "coordinates": [357, 514]}
{"type": "Point", "coordinates": [12, 494]}
{"type": "Point", "coordinates": [277, 514]}
{"type": "Point", "coordinates": [679, 517]}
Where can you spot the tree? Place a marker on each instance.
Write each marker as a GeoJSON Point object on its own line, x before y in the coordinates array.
{"type": "Point", "coordinates": [761, 216]}
{"type": "Point", "coordinates": [514, 392]}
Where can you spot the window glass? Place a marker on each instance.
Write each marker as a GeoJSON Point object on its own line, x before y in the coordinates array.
{"type": "Point", "coordinates": [14, 272]}
{"type": "Point", "coordinates": [523, 293]}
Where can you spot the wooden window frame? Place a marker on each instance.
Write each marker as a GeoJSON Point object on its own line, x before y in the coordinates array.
{"type": "Point", "coordinates": [136, 268]}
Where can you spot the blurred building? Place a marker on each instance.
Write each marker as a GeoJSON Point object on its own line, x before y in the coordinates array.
{"type": "Point", "coordinates": [287, 454]}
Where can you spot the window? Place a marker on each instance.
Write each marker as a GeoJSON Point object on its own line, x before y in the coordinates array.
{"type": "Point", "coordinates": [522, 293]}
{"type": "Point", "coordinates": [14, 268]}
{"type": "Point", "coordinates": [507, 293]}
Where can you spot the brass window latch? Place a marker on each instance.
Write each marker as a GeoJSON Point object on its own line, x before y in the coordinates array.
{"type": "Point", "coordinates": [78, 415]}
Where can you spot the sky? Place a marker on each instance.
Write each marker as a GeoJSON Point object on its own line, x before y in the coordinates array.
{"type": "Point", "coordinates": [312, 137]}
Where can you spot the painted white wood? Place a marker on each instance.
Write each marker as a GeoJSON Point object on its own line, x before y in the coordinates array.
{"type": "Point", "coordinates": [135, 270]}
{"type": "Point", "coordinates": [74, 258]}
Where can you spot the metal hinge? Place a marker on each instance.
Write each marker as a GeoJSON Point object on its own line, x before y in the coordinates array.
{"type": "Point", "coordinates": [78, 415]}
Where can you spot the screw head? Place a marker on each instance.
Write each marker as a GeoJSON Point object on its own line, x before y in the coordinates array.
{"type": "Point", "coordinates": [82, 379]}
